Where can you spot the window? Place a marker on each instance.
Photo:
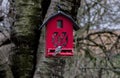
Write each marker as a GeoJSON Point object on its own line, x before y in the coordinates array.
{"type": "Point", "coordinates": [59, 23]}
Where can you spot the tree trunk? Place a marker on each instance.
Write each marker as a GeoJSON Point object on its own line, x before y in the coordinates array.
{"type": "Point", "coordinates": [55, 67]}
{"type": "Point", "coordinates": [22, 44]}
{"type": "Point", "coordinates": [25, 36]}
{"type": "Point", "coordinates": [5, 43]}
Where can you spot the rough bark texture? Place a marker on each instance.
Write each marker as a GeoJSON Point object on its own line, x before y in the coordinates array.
{"type": "Point", "coordinates": [22, 44]}
{"type": "Point", "coordinates": [5, 43]}
{"type": "Point", "coordinates": [25, 35]}
{"type": "Point", "coordinates": [55, 67]}
{"type": "Point", "coordinates": [27, 15]}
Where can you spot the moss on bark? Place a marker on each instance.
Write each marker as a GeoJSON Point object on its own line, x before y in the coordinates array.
{"type": "Point", "coordinates": [25, 36]}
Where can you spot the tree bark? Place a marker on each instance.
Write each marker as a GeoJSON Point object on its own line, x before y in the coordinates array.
{"type": "Point", "coordinates": [25, 36]}
{"type": "Point", "coordinates": [54, 67]}
{"type": "Point", "coordinates": [5, 43]}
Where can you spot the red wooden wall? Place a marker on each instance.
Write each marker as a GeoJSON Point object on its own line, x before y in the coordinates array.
{"type": "Point", "coordinates": [56, 36]}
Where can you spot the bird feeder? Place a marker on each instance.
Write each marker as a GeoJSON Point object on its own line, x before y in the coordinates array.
{"type": "Point", "coordinates": [59, 32]}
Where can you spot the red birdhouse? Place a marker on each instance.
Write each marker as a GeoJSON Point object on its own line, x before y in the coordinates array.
{"type": "Point", "coordinates": [59, 34]}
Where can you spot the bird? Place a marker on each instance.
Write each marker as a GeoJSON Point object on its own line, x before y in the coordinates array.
{"type": "Point", "coordinates": [57, 50]}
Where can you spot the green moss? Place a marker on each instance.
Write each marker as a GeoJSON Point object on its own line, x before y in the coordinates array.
{"type": "Point", "coordinates": [27, 21]}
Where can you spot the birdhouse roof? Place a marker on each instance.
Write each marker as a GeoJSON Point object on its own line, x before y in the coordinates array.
{"type": "Point", "coordinates": [75, 26]}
